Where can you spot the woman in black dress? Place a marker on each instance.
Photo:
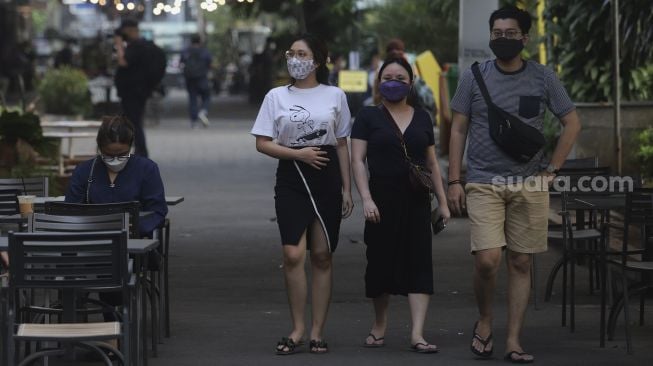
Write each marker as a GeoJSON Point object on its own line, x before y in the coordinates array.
{"type": "Point", "coordinates": [397, 228]}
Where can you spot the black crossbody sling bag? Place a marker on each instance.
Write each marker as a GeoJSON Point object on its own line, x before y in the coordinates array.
{"type": "Point", "coordinates": [516, 138]}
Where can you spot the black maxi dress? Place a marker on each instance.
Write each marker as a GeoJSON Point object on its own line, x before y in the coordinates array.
{"type": "Point", "coordinates": [399, 247]}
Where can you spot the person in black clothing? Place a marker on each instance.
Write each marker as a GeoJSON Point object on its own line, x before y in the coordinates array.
{"type": "Point", "coordinates": [397, 228]}
{"type": "Point", "coordinates": [197, 64]}
{"type": "Point", "coordinates": [130, 79]}
{"type": "Point", "coordinates": [65, 55]}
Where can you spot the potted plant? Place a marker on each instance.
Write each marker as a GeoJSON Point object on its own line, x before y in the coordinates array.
{"type": "Point", "coordinates": [64, 92]}
{"type": "Point", "coordinates": [21, 141]}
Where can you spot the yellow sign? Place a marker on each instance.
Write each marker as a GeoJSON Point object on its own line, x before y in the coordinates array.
{"type": "Point", "coordinates": [353, 81]}
{"type": "Point", "coordinates": [429, 70]}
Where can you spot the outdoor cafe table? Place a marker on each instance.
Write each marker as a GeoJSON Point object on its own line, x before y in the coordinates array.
{"type": "Point", "coordinates": [69, 128]}
{"type": "Point", "coordinates": [138, 248]}
{"type": "Point", "coordinates": [70, 136]}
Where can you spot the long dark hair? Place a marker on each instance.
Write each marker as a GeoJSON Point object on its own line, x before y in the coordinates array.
{"type": "Point", "coordinates": [401, 62]}
{"type": "Point", "coordinates": [320, 55]}
{"type": "Point", "coordinates": [115, 129]}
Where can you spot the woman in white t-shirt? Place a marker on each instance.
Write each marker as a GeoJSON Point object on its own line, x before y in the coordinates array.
{"type": "Point", "coordinates": [305, 125]}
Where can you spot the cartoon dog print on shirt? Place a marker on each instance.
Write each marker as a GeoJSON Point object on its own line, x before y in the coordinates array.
{"type": "Point", "coordinates": [300, 115]}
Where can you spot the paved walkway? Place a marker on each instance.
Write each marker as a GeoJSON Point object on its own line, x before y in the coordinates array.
{"type": "Point", "coordinates": [228, 299]}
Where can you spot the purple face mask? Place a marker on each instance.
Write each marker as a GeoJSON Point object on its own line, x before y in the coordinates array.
{"type": "Point", "coordinates": [394, 90]}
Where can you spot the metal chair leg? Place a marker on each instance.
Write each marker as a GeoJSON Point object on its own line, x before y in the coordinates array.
{"type": "Point", "coordinates": [551, 279]}
{"type": "Point", "coordinates": [603, 278]}
{"type": "Point", "coordinates": [642, 303]}
{"type": "Point", "coordinates": [572, 293]}
{"type": "Point", "coordinates": [565, 263]}
{"type": "Point", "coordinates": [166, 288]}
{"type": "Point", "coordinates": [534, 281]}
{"type": "Point", "coordinates": [629, 347]}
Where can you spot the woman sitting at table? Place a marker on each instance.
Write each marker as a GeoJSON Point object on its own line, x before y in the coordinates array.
{"type": "Point", "coordinates": [115, 175]}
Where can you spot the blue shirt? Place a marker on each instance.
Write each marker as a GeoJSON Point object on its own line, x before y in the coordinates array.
{"type": "Point", "coordinates": [140, 180]}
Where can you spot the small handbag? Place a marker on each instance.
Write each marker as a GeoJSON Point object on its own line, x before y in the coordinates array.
{"type": "Point", "coordinates": [419, 176]}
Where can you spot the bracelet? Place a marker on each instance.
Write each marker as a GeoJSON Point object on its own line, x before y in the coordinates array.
{"type": "Point", "coordinates": [457, 181]}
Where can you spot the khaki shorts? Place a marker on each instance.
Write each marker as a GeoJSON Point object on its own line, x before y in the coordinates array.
{"type": "Point", "coordinates": [513, 218]}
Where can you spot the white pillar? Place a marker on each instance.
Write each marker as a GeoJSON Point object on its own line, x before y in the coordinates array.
{"type": "Point", "coordinates": [474, 31]}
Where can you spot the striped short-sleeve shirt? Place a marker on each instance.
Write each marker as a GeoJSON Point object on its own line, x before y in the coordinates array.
{"type": "Point", "coordinates": [524, 93]}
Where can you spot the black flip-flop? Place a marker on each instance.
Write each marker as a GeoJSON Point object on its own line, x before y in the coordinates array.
{"type": "Point", "coordinates": [483, 341]}
{"type": "Point", "coordinates": [315, 344]}
{"type": "Point", "coordinates": [415, 348]}
{"type": "Point", "coordinates": [374, 344]}
{"type": "Point", "coordinates": [508, 357]}
{"type": "Point", "coordinates": [287, 346]}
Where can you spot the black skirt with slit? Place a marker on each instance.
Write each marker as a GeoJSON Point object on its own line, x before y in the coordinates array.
{"type": "Point", "coordinates": [300, 199]}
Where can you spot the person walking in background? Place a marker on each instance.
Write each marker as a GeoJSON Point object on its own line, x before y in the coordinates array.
{"type": "Point", "coordinates": [65, 55]}
{"type": "Point", "coordinates": [196, 61]}
{"type": "Point", "coordinates": [310, 121]}
{"type": "Point", "coordinates": [141, 67]}
{"type": "Point", "coordinates": [261, 72]}
{"type": "Point", "coordinates": [339, 63]}
{"type": "Point", "coordinates": [398, 217]}
{"type": "Point", "coordinates": [500, 218]}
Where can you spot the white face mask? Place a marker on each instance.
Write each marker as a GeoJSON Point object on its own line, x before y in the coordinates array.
{"type": "Point", "coordinates": [115, 165]}
{"type": "Point", "coordinates": [299, 69]}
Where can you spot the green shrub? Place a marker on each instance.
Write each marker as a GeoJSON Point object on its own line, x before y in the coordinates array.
{"type": "Point", "coordinates": [645, 151]}
{"type": "Point", "coordinates": [26, 126]}
{"type": "Point", "coordinates": [65, 91]}
{"type": "Point", "coordinates": [551, 132]}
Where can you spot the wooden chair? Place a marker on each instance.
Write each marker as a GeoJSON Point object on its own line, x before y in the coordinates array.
{"type": "Point", "coordinates": [86, 261]}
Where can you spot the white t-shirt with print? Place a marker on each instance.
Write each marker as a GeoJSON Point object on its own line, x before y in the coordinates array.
{"type": "Point", "coordinates": [304, 117]}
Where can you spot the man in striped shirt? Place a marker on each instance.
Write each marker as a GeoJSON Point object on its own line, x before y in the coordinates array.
{"type": "Point", "coordinates": [505, 212]}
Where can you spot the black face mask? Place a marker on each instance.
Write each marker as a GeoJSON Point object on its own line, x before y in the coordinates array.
{"type": "Point", "coordinates": [506, 49]}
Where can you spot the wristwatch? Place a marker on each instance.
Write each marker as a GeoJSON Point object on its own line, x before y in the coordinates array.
{"type": "Point", "coordinates": [552, 169]}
